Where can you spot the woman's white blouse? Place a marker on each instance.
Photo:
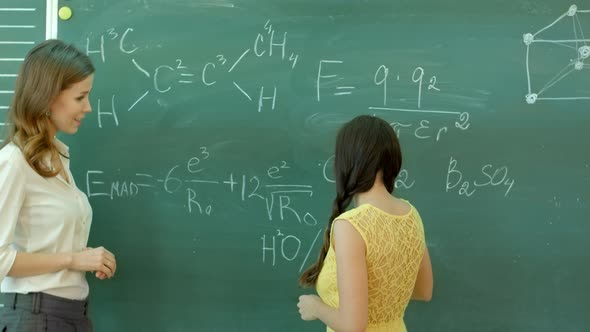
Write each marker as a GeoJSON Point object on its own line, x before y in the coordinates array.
{"type": "Point", "coordinates": [41, 215]}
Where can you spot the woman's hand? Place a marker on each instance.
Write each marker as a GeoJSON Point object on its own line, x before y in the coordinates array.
{"type": "Point", "coordinates": [99, 260]}
{"type": "Point", "coordinates": [308, 306]}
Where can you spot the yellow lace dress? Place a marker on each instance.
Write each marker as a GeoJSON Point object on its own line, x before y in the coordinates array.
{"type": "Point", "coordinates": [395, 246]}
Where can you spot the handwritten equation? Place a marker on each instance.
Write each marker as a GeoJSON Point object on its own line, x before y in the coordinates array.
{"type": "Point", "coordinates": [276, 198]}
{"type": "Point", "coordinates": [407, 95]}
{"type": "Point", "coordinates": [273, 44]}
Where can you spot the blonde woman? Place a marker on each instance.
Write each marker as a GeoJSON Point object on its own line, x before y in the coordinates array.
{"type": "Point", "coordinates": [44, 218]}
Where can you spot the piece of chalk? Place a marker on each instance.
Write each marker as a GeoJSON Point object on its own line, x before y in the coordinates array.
{"type": "Point", "coordinates": [65, 13]}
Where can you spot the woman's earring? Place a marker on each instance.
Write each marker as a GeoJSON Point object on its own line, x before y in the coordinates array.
{"type": "Point", "coordinates": [47, 114]}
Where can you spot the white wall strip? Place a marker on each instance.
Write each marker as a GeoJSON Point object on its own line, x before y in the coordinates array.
{"type": "Point", "coordinates": [51, 20]}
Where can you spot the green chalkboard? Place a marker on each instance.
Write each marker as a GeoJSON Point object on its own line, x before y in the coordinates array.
{"type": "Point", "coordinates": [207, 156]}
{"type": "Point", "coordinates": [22, 24]}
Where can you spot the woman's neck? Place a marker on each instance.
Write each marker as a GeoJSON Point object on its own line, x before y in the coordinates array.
{"type": "Point", "coordinates": [377, 193]}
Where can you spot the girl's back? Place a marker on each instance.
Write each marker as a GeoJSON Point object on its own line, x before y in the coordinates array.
{"type": "Point", "coordinates": [394, 238]}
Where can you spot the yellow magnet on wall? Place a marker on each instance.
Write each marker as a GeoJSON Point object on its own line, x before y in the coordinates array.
{"type": "Point", "coordinates": [65, 13]}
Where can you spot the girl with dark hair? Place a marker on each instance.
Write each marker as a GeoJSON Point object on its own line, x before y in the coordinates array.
{"type": "Point", "coordinates": [374, 258]}
{"type": "Point", "coordinates": [44, 218]}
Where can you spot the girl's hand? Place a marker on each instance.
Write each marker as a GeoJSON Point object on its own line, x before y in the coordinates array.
{"type": "Point", "coordinates": [308, 306]}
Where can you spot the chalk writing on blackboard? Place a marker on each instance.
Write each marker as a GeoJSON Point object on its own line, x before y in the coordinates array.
{"type": "Point", "coordinates": [574, 40]}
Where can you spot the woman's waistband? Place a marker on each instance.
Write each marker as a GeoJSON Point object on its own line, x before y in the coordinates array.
{"type": "Point", "coordinates": [46, 303]}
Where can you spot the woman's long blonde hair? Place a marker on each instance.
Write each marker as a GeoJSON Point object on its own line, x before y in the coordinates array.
{"type": "Point", "coordinates": [49, 68]}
